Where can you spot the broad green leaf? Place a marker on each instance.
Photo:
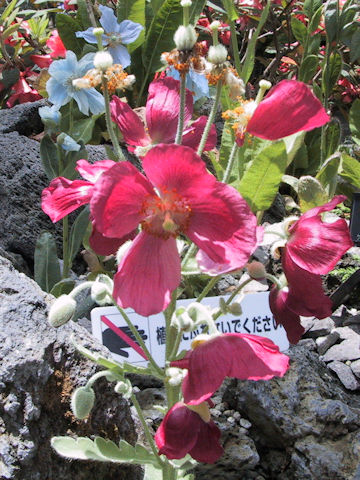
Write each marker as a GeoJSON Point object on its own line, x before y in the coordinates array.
{"type": "Point", "coordinates": [82, 129]}
{"type": "Point", "coordinates": [310, 7]}
{"type": "Point", "coordinates": [82, 15]}
{"type": "Point", "coordinates": [78, 231]}
{"type": "Point", "coordinates": [293, 144]}
{"type": "Point", "coordinates": [350, 170]}
{"type": "Point", "coordinates": [159, 37]}
{"type": "Point", "coordinates": [315, 19]}
{"type": "Point", "coordinates": [46, 262]}
{"type": "Point", "coordinates": [67, 26]}
{"type": "Point", "coordinates": [299, 30]}
{"type": "Point", "coordinates": [311, 193]}
{"type": "Point", "coordinates": [248, 64]}
{"type": "Point", "coordinates": [125, 453]}
{"type": "Point", "coordinates": [308, 68]}
{"type": "Point", "coordinates": [327, 175]}
{"type": "Point", "coordinates": [70, 162]}
{"type": "Point", "coordinates": [49, 157]}
{"type": "Point", "coordinates": [261, 180]}
{"type": "Point", "coordinates": [355, 45]}
{"type": "Point", "coordinates": [63, 287]}
{"type": "Point", "coordinates": [331, 72]}
{"type": "Point", "coordinates": [354, 121]}
{"type": "Point", "coordinates": [331, 18]}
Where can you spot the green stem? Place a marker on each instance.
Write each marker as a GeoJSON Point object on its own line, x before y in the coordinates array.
{"type": "Point", "coordinates": [191, 251]}
{"type": "Point", "coordinates": [208, 287]}
{"type": "Point", "coordinates": [169, 472]}
{"type": "Point", "coordinates": [147, 433]}
{"type": "Point", "coordinates": [170, 330]}
{"type": "Point", "coordinates": [230, 164]}
{"type": "Point", "coordinates": [210, 119]}
{"type": "Point", "coordinates": [109, 124]}
{"type": "Point", "coordinates": [139, 340]}
{"type": "Point", "coordinates": [180, 127]}
{"type": "Point", "coordinates": [71, 116]}
{"type": "Point", "coordinates": [234, 47]}
{"type": "Point", "coordinates": [66, 256]}
{"type": "Point", "coordinates": [175, 348]}
{"type": "Point", "coordinates": [274, 280]}
{"type": "Point", "coordinates": [233, 295]}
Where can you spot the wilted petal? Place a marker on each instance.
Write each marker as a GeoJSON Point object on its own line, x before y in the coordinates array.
{"type": "Point", "coordinates": [128, 122]}
{"type": "Point", "coordinates": [193, 134]}
{"type": "Point", "coordinates": [147, 274]}
{"type": "Point", "coordinates": [284, 316]}
{"type": "Point", "coordinates": [288, 108]}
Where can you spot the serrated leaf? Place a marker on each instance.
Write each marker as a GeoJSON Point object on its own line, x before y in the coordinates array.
{"type": "Point", "coordinates": [49, 157]}
{"type": "Point", "coordinates": [77, 232]}
{"type": "Point", "coordinates": [125, 453]}
{"type": "Point", "coordinates": [311, 193]}
{"type": "Point", "coordinates": [299, 30]}
{"type": "Point", "coordinates": [261, 180]}
{"type": "Point", "coordinates": [67, 26]}
{"type": "Point", "coordinates": [308, 68]}
{"type": "Point", "coordinates": [354, 121]}
{"type": "Point", "coordinates": [350, 170]}
{"type": "Point", "coordinates": [46, 262]}
{"type": "Point", "coordinates": [63, 287]}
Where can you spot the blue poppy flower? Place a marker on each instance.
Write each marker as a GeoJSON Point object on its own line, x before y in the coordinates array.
{"type": "Point", "coordinates": [115, 35]}
{"type": "Point", "coordinates": [69, 144]}
{"type": "Point", "coordinates": [60, 87]}
{"type": "Point", "coordinates": [195, 82]}
{"type": "Point", "coordinates": [50, 116]}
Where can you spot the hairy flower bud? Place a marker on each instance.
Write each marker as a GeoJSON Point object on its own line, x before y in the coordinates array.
{"type": "Point", "coordinates": [98, 31]}
{"type": "Point", "coordinates": [82, 401]}
{"type": "Point", "coordinates": [217, 54]}
{"type": "Point", "coordinates": [185, 37]}
{"type": "Point", "coordinates": [62, 310]}
{"type": "Point", "coordinates": [256, 270]}
{"type": "Point", "coordinates": [103, 60]}
{"type": "Point", "coordinates": [186, 3]}
{"type": "Point", "coordinates": [101, 290]}
{"type": "Point", "coordinates": [124, 388]}
{"type": "Point", "coordinates": [175, 376]}
{"type": "Point", "coordinates": [235, 308]}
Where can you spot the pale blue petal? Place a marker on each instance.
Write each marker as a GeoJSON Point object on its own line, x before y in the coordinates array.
{"type": "Point", "coordinates": [198, 84]}
{"type": "Point", "coordinates": [58, 94]}
{"type": "Point", "coordinates": [81, 99]}
{"type": "Point", "coordinates": [108, 20]}
{"type": "Point", "coordinates": [120, 55]}
{"type": "Point", "coordinates": [129, 31]}
{"type": "Point", "coordinates": [87, 35]}
{"type": "Point", "coordinates": [50, 116]}
{"type": "Point", "coordinates": [172, 72]}
{"type": "Point", "coordinates": [70, 145]}
{"type": "Point", "coordinates": [96, 101]}
{"type": "Point", "coordinates": [61, 69]}
{"type": "Point", "coordinates": [85, 64]}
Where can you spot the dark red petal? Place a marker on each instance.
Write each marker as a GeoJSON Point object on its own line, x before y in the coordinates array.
{"type": "Point", "coordinates": [193, 134]}
{"type": "Point", "coordinates": [128, 122]}
{"type": "Point", "coordinates": [105, 245]}
{"type": "Point", "coordinates": [284, 316]}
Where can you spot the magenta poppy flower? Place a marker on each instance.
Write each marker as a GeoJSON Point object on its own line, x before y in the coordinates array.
{"type": "Point", "coordinates": [238, 355]}
{"type": "Point", "coordinates": [184, 431]}
{"type": "Point", "coordinates": [288, 108]}
{"type": "Point", "coordinates": [162, 116]}
{"type": "Point", "coordinates": [187, 200]}
{"type": "Point", "coordinates": [63, 196]}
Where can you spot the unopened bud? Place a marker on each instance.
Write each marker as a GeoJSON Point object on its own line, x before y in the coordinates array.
{"type": "Point", "coordinates": [185, 37]}
{"type": "Point", "coordinates": [186, 3]}
{"type": "Point", "coordinates": [215, 25]}
{"type": "Point", "coordinates": [235, 308]}
{"type": "Point", "coordinates": [98, 31]}
{"type": "Point", "coordinates": [217, 54]}
{"type": "Point", "coordinates": [256, 270]}
{"type": "Point", "coordinates": [103, 60]}
{"type": "Point", "coordinates": [124, 388]}
{"type": "Point", "coordinates": [82, 402]}
{"type": "Point", "coordinates": [264, 84]}
{"type": "Point", "coordinates": [101, 291]}
{"type": "Point", "coordinates": [175, 376]}
{"type": "Point", "coordinates": [62, 310]}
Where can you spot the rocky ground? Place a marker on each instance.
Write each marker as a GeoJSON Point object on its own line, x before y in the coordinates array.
{"type": "Point", "coordinates": [303, 426]}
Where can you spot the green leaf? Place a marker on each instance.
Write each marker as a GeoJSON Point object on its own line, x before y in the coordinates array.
{"type": "Point", "coordinates": [299, 30]}
{"type": "Point", "coordinates": [350, 170]}
{"type": "Point", "coordinates": [311, 193]}
{"type": "Point", "coordinates": [195, 10]}
{"type": "Point", "coordinates": [261, 180]}
{"type": "Point", "coordinates": [46, 262]}
{"type": "Point", "coordinates": [82, 129]}
{"type": "Point", "coordinates": [331, 18]}
{"type": "Point", "coordinates": [331, 72]}
{"type": "Point", "coordinates": [78, 231]}
{"type": "Point", "coordinates": [81, 448]}
{"type": "Point", "coordinates": [308, 68]}
{"type": "Point", "coordinates": [310, 7]}
{"type": "Point", "coordinates": [82, 15]}
{"type": "Point", "coordinates": [327, 175]}
{"type": "Point", "coordinates": [293, 144]}
{"type": "Point", "coordinates": [70, 163]}
{"type": "Point", "coordinates": [248, 64]}
{"type": "Point", "coordinates": [153, 473]}
{"type": "Point", "coordinates": [159, 37]}
{"type": "Point", "coordinates": [10, 77]}
{"type": "Point", "coordinates": [49, 157]}
{"type": "Point", "coordinates": [332, 138]}
{"type": "Point", "coordinates": [355, 45]}
{"type": "Point", "coordinates": [231, 11]}
{"type": "Point", "coordinates": [315, 20]}
{"type": "Point", "coordinates": [6, 13]}
{"type": "Point", "coordinates": [354, 121]}
{"type": "Point", "coordinates": [63, 287]}
{"type": "Point", "coordinates": [67, 26]}
{"type": "Point", "coordinates": [227, 142]}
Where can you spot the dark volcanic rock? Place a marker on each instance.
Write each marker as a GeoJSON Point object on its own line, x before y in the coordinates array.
{"type": "Point", "coordinates": [23, 118]}
{"type": "Point", "coordinates": [38, 372]}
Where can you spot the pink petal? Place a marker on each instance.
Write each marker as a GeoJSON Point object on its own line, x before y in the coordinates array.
{"type": "Point", "coordinates": [306, 295]}
{"type": "Point", "coordinates": [91, 172]}
{"type": "Point", "coordinates": [317, 246]}
{"type": "Point", "coordinates": [247, 357]}
{"type": "Point", "coordinates": [105, 245]}
{"type": "Point", "coordinates": [42, 61]}
{"type": "Point", "coordinates": [118, 198]}
{"type": "Point", "coordinates": [162, 109]}
{"type": "Point", "coordinates": [63, 196]}
{"type": "Point", "coordinates": [192, 135]}
{"type": "Point", "coordinates": [284, 316]}
{"type": "Point", "coordinates": [147, 274]}
{"type": "Point", "coordinates": [288, 108]}
{"type": "Point", "coordinates": [129, 123]}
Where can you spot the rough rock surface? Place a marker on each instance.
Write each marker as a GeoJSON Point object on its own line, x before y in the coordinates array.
{"type": "Point", "coordinates": [304, 425]}
{"type": "Point", "coordinates": [39, 370]}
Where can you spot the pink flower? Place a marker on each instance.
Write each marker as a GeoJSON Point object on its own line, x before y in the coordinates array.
{"type": "Point", "coordinates": [247, 357]}
{"type": "Point", "coordinates": [42, 61]}
{"type": "Point", "coordinates": [189, 430]}
{"type": "Point", "coordinates": [22, 92]}
{"type": "Point", "coordinates": [288, 108]}
{"type": "Point", "coordinates": [57, 48]}
{"type": "Point", "coordinates": [63, 196]}
{"type": "Point", "coordinates": [162, 115]}
{"type": "Point", "coordinates": [187, 200]}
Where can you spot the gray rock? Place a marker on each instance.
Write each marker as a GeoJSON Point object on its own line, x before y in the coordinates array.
{"type": "Point", "coordinates": [23, 118]}
{"type": "Point", "coordinates": [324, 343]}
{"type": "Point", "coordinates": [309, 343]}
{"type": "Point", "coordinates": [346, 350]}
{"type": "Point", "coordinates": [38, 372]}
{"type": "Point", "coordinates": [320, 328]}
{"type": "Point", "coordinates": [355, 367]}
{"type": "Point", "coordinates": [305, 425]}
{"type": "Point", "coordinates": [346, 333]}
{"type": "Point", "coordinates": [345, 374]}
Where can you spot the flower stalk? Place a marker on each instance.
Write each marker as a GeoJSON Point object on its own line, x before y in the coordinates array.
{"type": "Point", "coordinates": [180, 127]}
{"type": "Point", "coordinates": [210, 119]}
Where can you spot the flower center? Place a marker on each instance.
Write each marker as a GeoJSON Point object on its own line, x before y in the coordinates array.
{"type": "Point", "coordinates": [165, 215]}
{"type": "Point", "coordinates": [114, 39]}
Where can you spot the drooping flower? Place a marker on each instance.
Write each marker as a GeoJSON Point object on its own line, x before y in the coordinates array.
{"type": "Point", "coordinates": [189, 430]}
{"type": "Point", "coordinates": [187, 200]}
{"type": "Point", "coordinates": [238, 355]}
{"type": "Point", "coordinates": [288, 108]}
{"type": "Point", "coordinates": [115, 36]}
{"type": "Point", "coordinates": [162, 116]}
{"type": "Point", "coordinates": [63, 196]}
{"type": "Point", "coordinates": [60, 85]}
{"type": "Point", "coordinates": [21, 91]}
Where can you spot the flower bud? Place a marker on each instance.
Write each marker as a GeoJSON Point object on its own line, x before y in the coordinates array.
{"type": "Point", "coordinates": [215, 25]}
{"type": "Point", "coordinates": [175, 376]}
{"type": "Point", "coordinates": [82, 401]}
{"type": "Point", "coordinates": [99, 294]}
{"type": "Point", "coordinates": [256, 270]}
{"type": "Point", "coordinates": [62, 310]}
{"type": "Point", "coordinates": [185, 37]}
{"type": "Point", "coordinates": [217, 54]}
{"type": "Point", "coordinates": [103, 60]}
{"type": "Point", "coordinates": [186, 3]}
{"type": "Point", "coordinates": [98, 31]}
{"type": "Point", "coordinates": [264, 84]}
{"type": "Point", "coordinates": [235, 308]}
{"type": "Point", "coordinates": [124, 388]}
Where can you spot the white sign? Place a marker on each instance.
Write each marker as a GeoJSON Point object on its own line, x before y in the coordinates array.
{"type": "Point", "coordinates": [109, 327]}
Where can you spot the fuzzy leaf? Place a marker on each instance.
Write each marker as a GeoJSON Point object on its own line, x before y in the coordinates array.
{"type": "Point", "coordinates": [350, 170]}
{"type": "Point", "coordinates": [49, 157]}
{"type": "Point", "coordinates": [78, 231]}
{"type": "Point", "coordinates": [63, 287]}
{"type": "Point", "coordinates": [311, 193]}
{"type": "Point", "coordinates": [327, 175]}
{"type": "Point", "coordinates": [46, 262]}
{"type": "Point", "coordinates": [354, 121]}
